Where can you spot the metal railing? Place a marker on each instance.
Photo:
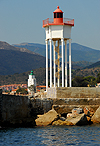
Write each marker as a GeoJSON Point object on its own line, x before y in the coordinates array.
{"type": "Point", "coordinates": [49, 21]}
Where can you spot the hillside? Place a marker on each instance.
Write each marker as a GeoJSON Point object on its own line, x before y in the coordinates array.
{"type": "Point", "coordinates": [79, 52]}
{"type": "Point", "coordinates": [19, 60]}
{"type": "Point", "coordinates": [90, 70]}
{"type": "Point", "coordinates": [86, 72]}
{"type": "Point", "coordinates": [97, 64]}
{"type": "Point", "coordinates": [82, 64]}
{"type": "Point", "coordinates": [5, 45]}
{"type": "Point", "coordinates": [40, 76]}
{"type": "Point", "coordinates": [23, 77]}
{"type": "Point", "coordinates": [16, 60]}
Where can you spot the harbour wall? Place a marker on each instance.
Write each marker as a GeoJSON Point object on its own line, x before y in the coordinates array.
{"type": "Point", "coordinates": [23, 110]}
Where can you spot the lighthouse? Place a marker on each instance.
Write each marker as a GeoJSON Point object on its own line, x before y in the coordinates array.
{"type": "Point", "coordinates": [31, 81]}
{"type": "Point", "coordinates": [58, 33]}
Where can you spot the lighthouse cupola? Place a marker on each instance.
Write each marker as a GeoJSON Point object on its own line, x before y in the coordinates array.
{"type": "Point", "coordinates": [58, 16]}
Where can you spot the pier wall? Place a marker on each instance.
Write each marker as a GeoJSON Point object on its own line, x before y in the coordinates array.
{"type": "Point", "coordinates": [16, 111]}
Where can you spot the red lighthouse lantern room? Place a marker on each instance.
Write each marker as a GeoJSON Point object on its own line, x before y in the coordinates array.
{"type": "Point", "coordinates": [58, 16]}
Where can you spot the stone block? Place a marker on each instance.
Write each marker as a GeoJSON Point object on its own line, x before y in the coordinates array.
{"type": "Point", "coordinates": [47, 118]}
{"type": "Point", "coordinates": [96, 117]}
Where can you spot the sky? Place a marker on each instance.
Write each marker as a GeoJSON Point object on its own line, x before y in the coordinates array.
{"type": "Point", "coordinates": [21, 20]}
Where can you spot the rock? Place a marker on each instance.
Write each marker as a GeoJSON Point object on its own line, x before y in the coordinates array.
{"type": "Point", "coordinates": [47, 118]}
{"type": "Point", "coordinates": [96, 117]}
{"type": "Point", "coordinates": [76, 111]}
{"type": "Point", "coordinates": [88, 111]}
{"type": "Point", "coordinates": [78, 120]}
{"type": "Point", "coordinates": [62, 118]}
{"type": "Point", "coordinates": [88, 119]}
{"type": "Point", "coordinates": [60, 122]}
{"type": "Point", "coordinates": [38, 116]}
{"type": "Point", "coordinates": [69, 115]}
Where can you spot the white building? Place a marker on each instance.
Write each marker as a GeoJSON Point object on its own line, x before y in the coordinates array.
{"type": "Point", "coordinates": [58, 32]}
{"type": "Point", "coordinates": [31, 80]}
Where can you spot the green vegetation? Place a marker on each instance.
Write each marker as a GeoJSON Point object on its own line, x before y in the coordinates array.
{"type": "Point", "coordinates": [86, 72]}
{"type": "Point", "coordinates": [32, 89]}
{"type": "Point", "coordinates": [84, 81]}
{"type": "Point", "coordinates": [98, 78]}
{"type": "Point", "coordinates": [21, 91]}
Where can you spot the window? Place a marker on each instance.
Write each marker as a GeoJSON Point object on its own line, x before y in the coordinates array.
{"type": "Point", "coordinates": [54, 15]}
{"type": "Point", "coordinates": [58, 15]}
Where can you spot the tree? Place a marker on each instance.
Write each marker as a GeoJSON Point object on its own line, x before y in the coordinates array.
{"type": "Point", "coordinates": [98, 78]}
{"type": "Point", "coordinates": [32, 88]}
{"type": "Point", "coordinates": [22, 91]}
{"type": "Point", "coordinates": [79, 82]}
{"type": "Point", "coordinates": [91, 80]}
{"type": "Point", "coordinates": [83, 81]}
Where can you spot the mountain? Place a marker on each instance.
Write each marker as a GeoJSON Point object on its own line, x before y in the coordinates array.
{"type": "Point", "coordinates": [5, 45]}
{"type": "Point", "coordinates": [22, 78]}
{"type": "Point", "coordinates": [18, 60]}
{"type": "Point", "coordinates": [82, 64]}
{"type": "Point", "coordinates": [79, 52]}
{"type": "Point", "coordinates": [90, 70]}
{"type": "Point", "coordinates": [94, 65]}
{"type": "Point", "coordinates": [34, 47]}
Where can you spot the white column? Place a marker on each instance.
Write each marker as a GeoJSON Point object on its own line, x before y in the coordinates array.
{"type": "Point", "coordinates": [54, 64]}
{"type": "Point", "coordinates": [62, 40]}
{"type": "Point", "coordinates": [46, 64]}
{"type": "Point", "coordinates": [50, 63]}
{"type": "Point", "coordinates": [69, 62]}
{"type": "Point", "coordinates": [58, 65]}
{"type": "Point", "coordinates": [65, 63]}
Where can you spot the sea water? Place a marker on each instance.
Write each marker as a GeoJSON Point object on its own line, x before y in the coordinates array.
{"type": "Point", "coordinates": [51, 136]}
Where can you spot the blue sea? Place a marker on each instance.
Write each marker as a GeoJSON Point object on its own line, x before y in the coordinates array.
{"type": "Point", "coordinates": [51, 136]}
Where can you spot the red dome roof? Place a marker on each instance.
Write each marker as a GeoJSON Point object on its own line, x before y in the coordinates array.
{"type": "Point", "coordinates": [58, 10]}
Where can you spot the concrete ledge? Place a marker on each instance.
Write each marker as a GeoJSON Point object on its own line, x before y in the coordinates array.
{"type": "Point", "coordinates": [73, 92]}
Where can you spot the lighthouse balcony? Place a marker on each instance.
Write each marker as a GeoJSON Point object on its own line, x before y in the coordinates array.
{"type": "Point", "coordinates": [50, 21]}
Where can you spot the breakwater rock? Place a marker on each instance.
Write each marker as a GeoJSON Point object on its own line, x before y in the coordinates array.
{"type": "Point", "coordinates": [47, 118]}
{"type": "Point", "coordinates": [96, 116]}
{"type": "Point", "coordinates": [77, 117]}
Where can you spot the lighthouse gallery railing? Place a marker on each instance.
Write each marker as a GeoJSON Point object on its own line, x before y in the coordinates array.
{"type": "Point", "coordinates": [50, 21]}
